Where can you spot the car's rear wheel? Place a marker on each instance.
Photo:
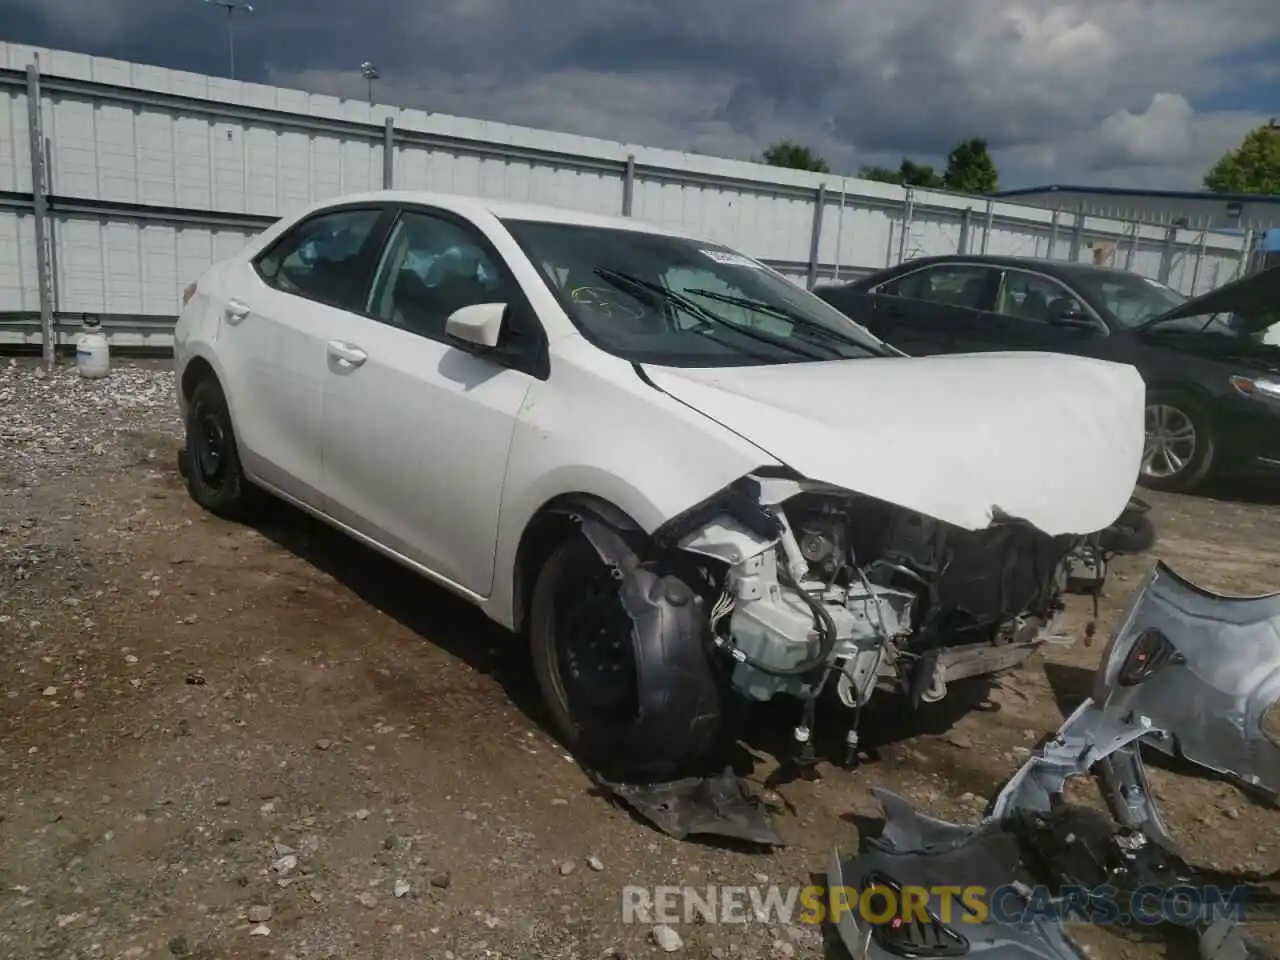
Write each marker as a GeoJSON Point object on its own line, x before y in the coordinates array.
{"type": "Point", "coordinates": [632, 695]}
{"type": "Point", "coordinates": [1179, 448]}
{"type": "Point", "coordinates": [215, 478]}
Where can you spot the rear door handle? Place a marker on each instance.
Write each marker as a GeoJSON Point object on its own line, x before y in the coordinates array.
{"type": "Point", "coordinates": [347, 353]}
{"type": "Point", "coordinates": [236, 311]}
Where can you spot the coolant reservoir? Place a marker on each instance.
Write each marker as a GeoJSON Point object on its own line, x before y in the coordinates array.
{"type": "Point", "coordinates": [93, 353]}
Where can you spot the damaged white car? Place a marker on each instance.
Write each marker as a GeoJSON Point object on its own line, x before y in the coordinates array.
{"type": "Point", "coordinates": [682, 477]}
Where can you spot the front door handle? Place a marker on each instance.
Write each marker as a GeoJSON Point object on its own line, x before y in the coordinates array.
{"type": "Point", "coordinates": [346, 353]}
{"type": "Point", "coordinates": [236, 311]}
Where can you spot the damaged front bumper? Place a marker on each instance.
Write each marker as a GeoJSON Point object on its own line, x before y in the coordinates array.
{"type": "Point", "coordinates": [1187, 671]}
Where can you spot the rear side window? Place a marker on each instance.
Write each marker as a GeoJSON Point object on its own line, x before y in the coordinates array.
{"type": "Point", "coordinates": [321, 258]}
{"type": "Point", "coordinates": [957, 285]}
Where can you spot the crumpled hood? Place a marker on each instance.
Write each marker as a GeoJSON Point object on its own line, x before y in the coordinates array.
{"type": "Point", "coordinates": [1052, 439]}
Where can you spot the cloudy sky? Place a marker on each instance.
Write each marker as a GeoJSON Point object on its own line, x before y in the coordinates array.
{"type": "Point", "coordinates": [1118, 92]}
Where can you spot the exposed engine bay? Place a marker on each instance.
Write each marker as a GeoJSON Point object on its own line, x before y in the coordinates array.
{"type": "Point", "coordinates": [821, 586]}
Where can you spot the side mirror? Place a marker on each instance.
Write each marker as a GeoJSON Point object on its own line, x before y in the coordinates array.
{"type": "Point", "coordinates": [479, 324]}
{"type": "Point", "coordinates": [1069, 313]}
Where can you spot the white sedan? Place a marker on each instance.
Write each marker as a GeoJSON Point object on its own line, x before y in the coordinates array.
{"type": "Point", "coordinates": [679, 475]}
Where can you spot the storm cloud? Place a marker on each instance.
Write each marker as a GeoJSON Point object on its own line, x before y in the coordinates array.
{"type": "Point", "coordinates": [1105, 91]}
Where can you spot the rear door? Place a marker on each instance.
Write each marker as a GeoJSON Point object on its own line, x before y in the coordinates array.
{"type": "Point", "coordinates": [279, 311]}
{"type": "Point", "coordinates": [936, 309]}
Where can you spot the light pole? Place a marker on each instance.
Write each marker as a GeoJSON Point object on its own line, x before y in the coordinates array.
{"type": "Point", "coordinates": [232, 6]}
{"type": "Point", "coordinates": [370, 72]}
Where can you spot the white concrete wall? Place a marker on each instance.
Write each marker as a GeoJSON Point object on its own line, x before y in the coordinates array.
{"type": "Point", "coordinates": [199, 148]}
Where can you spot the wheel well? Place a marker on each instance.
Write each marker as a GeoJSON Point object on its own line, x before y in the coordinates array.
{"type": "Point", "coordinates": [197, 371]}
{"type": "Point", "coordinates": [549, 527]}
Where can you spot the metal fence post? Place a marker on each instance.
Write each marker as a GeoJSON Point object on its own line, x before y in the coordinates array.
{"type": "Point", "coordinates": [986, 225]}
{"type": "Point", "coordinates": [39, 193]}
{"type": "Point", "coordinates": [389, 154]}
{"type": "Point", "coordinates": [1077, 238]}
{"type": "Point", "coordinates": [839, 230]}
{"type": "Point", "coordinates": [1166, 255]}
{"type": "Point", "coordinates": [1246, 254]}
{"type": "Point", "coordinates": [51, 189]}
{"type": "Point", "coordinates": [629, 185]}
{"type": "Point", "coordinates": [1195, 270]}
{"type": "Point", "coordinates": [1053, 234]}
{"type": "Point", "coordinates": [815, 238]}
{"type": "Point", "coordinates": [966, 224]}
{"type": "Point", "coordinates": [1133, 246]}
{"type": "Point", "coordinates": [908, 214]}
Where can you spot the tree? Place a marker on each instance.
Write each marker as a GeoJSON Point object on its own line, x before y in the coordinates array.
{"type": "Point", "coordinates": [919, 175]}
{"type": "Point", "coordinates": [796, 156]}
{"type": "Point", "coordinates": [970, 168]}
{"type": "Point", "coordinates": [909, 174]}
{"type": "Point", "coordinates": [881, 174]}
{"type": "Point", "coordinates": [1252, 167]}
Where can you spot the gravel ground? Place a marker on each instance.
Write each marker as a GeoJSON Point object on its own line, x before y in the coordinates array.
{"type": "Point", "coordinates": [218, 741]}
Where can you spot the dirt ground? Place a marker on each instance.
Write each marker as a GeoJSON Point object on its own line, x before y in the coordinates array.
{"type": "Point", "coordinates": [218, 741]}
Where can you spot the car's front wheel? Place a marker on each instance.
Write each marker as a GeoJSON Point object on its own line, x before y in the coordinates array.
{"type": "Point", "coordinates": [215, 478]}
{"type": "Point", "coordinates": [1179, 447]}
{"type": "Point", "coordinates": [622, 666]}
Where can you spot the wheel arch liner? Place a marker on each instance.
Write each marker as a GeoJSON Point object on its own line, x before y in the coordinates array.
{"type": "Point", "coordinates": [667, 636]}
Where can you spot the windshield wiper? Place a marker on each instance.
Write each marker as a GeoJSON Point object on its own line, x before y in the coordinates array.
{"type": "Point", "coordinates": [804, 323]}
{"type": "Point", "coordinates": [670, 296]}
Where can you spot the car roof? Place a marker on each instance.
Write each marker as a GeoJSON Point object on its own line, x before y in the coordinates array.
{"type": "Point", "coordinates": [471, 206]}
{"type": "Point", "coordinates": [1063, 268]}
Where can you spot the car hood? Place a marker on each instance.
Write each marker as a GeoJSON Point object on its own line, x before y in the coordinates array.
{"type": "Point", "coordinates": [1051, 439]}
{"type": "Point", "coordinates": [1255, 299]}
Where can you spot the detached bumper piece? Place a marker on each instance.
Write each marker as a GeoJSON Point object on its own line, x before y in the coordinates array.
{"type": "Point", "coordinates": [699, 806]}
{"type": "Point", "coordinates": [1189, 672]}
{"type": "Point", "coordinates": [1205, 670]}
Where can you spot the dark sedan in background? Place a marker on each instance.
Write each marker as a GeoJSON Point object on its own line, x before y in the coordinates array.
{"type": "Point", "coordinates": [1213, 386]}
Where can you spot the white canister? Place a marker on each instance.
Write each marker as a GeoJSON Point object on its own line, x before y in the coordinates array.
{"type": "Point", "coordinates": [93, 353]}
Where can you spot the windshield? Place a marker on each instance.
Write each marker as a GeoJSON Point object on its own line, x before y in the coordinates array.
{"type": "Point", "coordinates": [678, 302]}
{"type": "Point", "coordinates": [1133, 300]}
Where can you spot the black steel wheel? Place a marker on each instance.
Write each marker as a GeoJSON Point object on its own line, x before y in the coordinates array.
{"type": "Point", "coordinates": [631, 691]}
{"type": "Point", "coordinates": [215, 478]}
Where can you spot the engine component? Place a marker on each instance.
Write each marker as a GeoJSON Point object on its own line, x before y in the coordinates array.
{"type": "Point", "coordinates": [772, 627]}
{"type": "Point", "coordinates": [842, 588]}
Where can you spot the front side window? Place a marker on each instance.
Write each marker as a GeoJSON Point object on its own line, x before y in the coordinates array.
{"type": "Point", "coordinates": [1129, 298]}
{"type": "Point", "coordinates": [955, 285]}
{"type": "Point", "coordinates": [1028, 296]}
{"type": "Point", "coordinates": [679, 302]}
{"type": "Point", "coordinates": [321, 258]}
{"type": "Point", "coordinates": [431, 268]}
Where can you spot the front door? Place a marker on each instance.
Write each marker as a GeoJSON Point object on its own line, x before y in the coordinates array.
{"type": "Point", "coordinates": [417, 430]}
{"type": "Point", "coordinates": [1023, 319]}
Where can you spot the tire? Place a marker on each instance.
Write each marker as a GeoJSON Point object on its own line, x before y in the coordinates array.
{"type": "Point", "coordinates": [1134, 532]}
{"type": "Point", "coordinates": [1194, 459]}
{"type": "Point", "coordinates": [215, 478]}
{"type": "Point", "coordinates": [658, 709]}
